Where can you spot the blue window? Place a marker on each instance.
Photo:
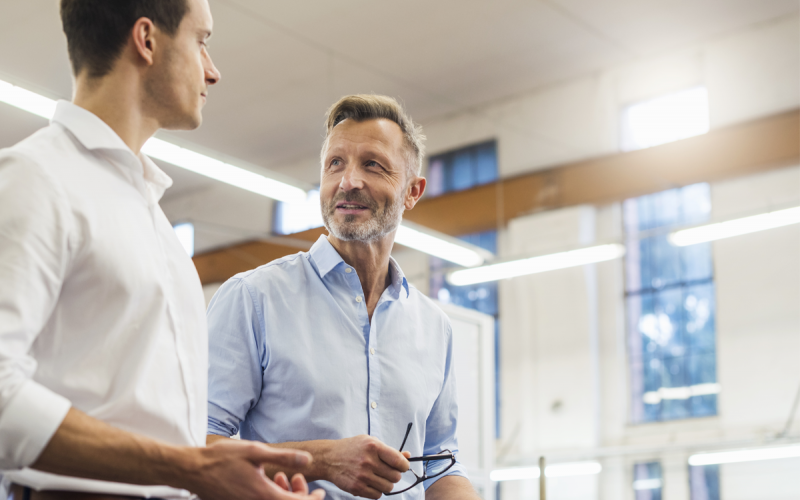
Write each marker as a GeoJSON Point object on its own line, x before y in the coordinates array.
{"type": "Point", "coordinates": [298, 216]}
{"type": "Point", "coordinates": [704, 482]}
{"type": "Point", "coordinates": [462, 169]}
{"type": "Point", "coordinates": [671, 308]}
{"type": "Point", "coordinates": [647, 481]}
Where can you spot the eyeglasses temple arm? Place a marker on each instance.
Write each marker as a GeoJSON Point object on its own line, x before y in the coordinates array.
{"type": "Point", "coordinates": [408, 430]}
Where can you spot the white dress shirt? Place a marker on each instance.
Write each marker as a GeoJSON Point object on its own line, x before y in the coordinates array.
{"type": "Point", "coordinates": [100, 306]}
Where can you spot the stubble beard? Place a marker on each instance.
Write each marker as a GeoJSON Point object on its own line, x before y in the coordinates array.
{"type": "Point", "coordinates": [162, 92]}
{"type": "Point", "coordinates": [381, 222]}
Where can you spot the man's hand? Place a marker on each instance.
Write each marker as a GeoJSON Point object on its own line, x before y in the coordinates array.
{"type": "Point", "coordinates": [234, 469]}
{"type": "Point", "coordinates": [363, 466]}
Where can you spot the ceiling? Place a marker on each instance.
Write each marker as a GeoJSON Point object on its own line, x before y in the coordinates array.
{"type": "Point", "coordinates": [284, 62]}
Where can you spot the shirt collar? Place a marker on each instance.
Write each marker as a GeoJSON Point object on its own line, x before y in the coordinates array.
{"type": "Point", "coordinates": [94, 133]}
{"type": "Point", "coordinates": [327, 259]}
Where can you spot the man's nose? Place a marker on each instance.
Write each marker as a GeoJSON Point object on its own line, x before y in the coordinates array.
{"type": "Point", "coordinates": [212, 73]}
{"type": "Point", "coordinates": [351, 179]}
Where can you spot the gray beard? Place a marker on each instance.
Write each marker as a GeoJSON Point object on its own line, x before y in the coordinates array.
{"type": "Point", "coordinates": [382, 222]}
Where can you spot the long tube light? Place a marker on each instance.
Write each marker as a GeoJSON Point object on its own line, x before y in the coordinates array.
{"type": "Point", "coordinates": [170, 153]}
{"type": "Point", "coordinates": [555, 470]}
{"type": "Point", "coordinates": [751, 455]}
{"type": "Point", "coordinates": [735, 227]}
{"type": "Point", "coordinates": [538, 264]}
{"type": "Point", "coordinates": [440, 245]}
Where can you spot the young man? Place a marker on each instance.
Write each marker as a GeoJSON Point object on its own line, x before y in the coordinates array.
{"type": "Point", "coordinates": [332, 351]}
{"type": "Point", "coordinates": [103, 338]}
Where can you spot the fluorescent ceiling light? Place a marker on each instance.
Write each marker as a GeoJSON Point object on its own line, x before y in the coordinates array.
{"type": "Point", "coordinates": [27, 100]}
{"type": "Point", "coordinates": [736, 227]}
{"type": "Point", "coordinates": [556, 470]}
{"type": "Point", "coordinates": [647, 484]}
{"type": "Point", "coordinates": [221, 171]}
{"type": "Point", "coordinates": [655, 397]}
{"type": "Point", "coordinates": [170, 153]}
{"type": "Point", "coordinates": [533, 265]}
{"type": "Point", "coordinates": [440, 245]}
{"type": "Point", "coordinates": [751, 455]}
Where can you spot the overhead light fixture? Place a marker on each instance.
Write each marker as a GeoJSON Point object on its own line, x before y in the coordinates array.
{"type": "Point", "coordinates": [685, 392]}
{"type": "Point", "coordinates": [221, 171]}
{"type": "Point", "coordinates": [735, 227]}
{"type": "Point", "coordinates": [26, 100]}
{"type": "Point", "coordinates": [538, 264]}
{"type": "Point", "coordinates": [170, 153]}
{"type": "Point", "coordinates": [647, 484]}
{"type": "Point", "coordinates": [555, 470]}
{"type": "Point", "coordinates": [749, 455]}
{"type": "Point", "coordinates": [440, 245]}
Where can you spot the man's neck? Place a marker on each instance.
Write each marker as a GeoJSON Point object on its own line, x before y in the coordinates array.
{"type": "Point", "coordinates": [117, 100]}
{"type": "Point", "coordinates": [371, 262]}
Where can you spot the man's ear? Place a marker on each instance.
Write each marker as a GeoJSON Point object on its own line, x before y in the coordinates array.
{"type": "Point", "coordinates": [416, 189]}
{"type": "Point", "coordinates": [144, 39]}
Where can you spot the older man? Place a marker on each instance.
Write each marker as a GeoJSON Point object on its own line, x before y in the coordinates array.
{"type": "Point", "coordinates": [332, 351]}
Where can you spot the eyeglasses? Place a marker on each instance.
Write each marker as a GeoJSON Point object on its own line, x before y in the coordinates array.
{"type": "Point", "coordinates": [432, 466]}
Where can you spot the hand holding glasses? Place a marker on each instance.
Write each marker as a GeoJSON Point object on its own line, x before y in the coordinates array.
{"type": "Point", "coordinates": [432, 466]}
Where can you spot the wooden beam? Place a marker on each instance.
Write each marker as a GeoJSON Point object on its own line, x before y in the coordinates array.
{"type": "Point", "coordinates": [742, 149]}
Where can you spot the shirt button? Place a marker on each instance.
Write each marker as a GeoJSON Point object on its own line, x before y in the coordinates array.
{"type": "Point", "coordinates": [358, 299]}
{"type": "Point", "coordinates": [372, 350]}
{"type": "Point", "coordinates": [348, 270]}
{"type": "Point", "coordinates": [374, 405]}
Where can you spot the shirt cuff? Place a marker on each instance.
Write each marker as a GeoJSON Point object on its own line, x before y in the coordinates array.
{"type": "Point", "coordinates": [27, 423]}
{"type": "Point", "coordinates": [455, 470]}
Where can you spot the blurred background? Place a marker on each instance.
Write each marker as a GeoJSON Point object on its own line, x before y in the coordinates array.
{"type": "Point", "coordinates": [668, 368]}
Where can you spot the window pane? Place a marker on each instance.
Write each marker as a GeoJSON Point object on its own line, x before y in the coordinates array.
{"type": "Point", "coordinates": [704, 482]}
{"type": "Point", "coordinates": [647, 481]}
{"type": "Point", "coordinates": [435, 178]}
{"type": "Point", "coordinates": [671, 308]}
{"type": "Point", "coordinates": [462, 175]}
{"type": "Point", "coordinates": [486, 163]}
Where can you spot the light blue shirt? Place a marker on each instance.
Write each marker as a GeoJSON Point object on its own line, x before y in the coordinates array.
{"type": "Point", "coordinates": [294, 357]}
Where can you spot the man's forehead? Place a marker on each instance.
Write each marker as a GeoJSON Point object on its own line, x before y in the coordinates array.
{"type": "Point", "coordinates": [378, 131]}
{"type": "Point", "coordinates": [200, 15]}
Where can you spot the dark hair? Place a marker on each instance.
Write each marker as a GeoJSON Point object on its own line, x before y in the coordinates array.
{"type": "Point", "coordinates": [362, 107]}
{"type": "Point", "coordinates": [97, 30]}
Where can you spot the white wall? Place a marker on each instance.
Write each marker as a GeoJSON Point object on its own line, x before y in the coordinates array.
{"type": "Point", "coordinates": [554, 346]}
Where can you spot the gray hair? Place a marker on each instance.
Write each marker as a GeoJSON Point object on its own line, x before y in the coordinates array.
{"type": "Point", "coordinates": [363, 107]}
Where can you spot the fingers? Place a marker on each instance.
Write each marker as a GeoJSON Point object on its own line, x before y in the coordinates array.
{"type": "Point", "coordinates": [282, 481]}
{"type": "Point", "coordinates": [299, 484]}
{"type": "Point", "coordinates": [407, 454]}
{"type": "Point", "coordinates": [318, 494]}
{"type": "Point", "coordinates": [384, 471]}
{"type": "Point", "coordinates": [393, 458]}
{"type": "Point", "coordinates": [259, 453]}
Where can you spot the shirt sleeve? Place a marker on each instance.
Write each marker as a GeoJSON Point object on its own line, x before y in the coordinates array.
{"type": "Point", "coordinates": [440, 427]}
{"type": "Point", "coordinates": [34, 254]}
{"type": "Point", "coordinates": [236, 353]}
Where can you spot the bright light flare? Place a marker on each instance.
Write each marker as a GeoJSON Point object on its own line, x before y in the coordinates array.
{"type": "Point", "coordinates": [736, 227]}
{"type": "Point", "coordinates": [751, 455]}
{"type": "Point", "coordinates": [439, 245]}
{"type": "Point", "coordinates": [533, 265]}
{"type": "Point", "coordinates": [185, 233]}
{"type": "Point", "coordinates": [221, 171]}
{"type": "Point", "coordinates": [25, 99]}
{"type": "Point", "coordinates": [665, 119]}
{"type": "Point", "coordinates": [647, 484]}
{"type": "Point", "coordinates": [555, 470]}
{"type": "Point", "coordinates": [170, 153]}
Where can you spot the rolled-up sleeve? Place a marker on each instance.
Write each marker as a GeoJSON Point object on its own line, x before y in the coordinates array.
{"type": "Point", "coordinates": [236, 353]}
{"type": "Point", "coordinates": [35, 224]}
{"type": "Point", "coordinates": [440, 427]}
